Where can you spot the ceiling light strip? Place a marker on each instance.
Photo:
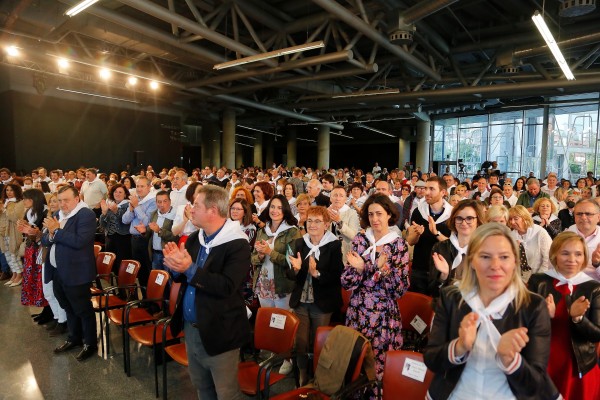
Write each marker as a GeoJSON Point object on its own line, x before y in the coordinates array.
{"type": "Point", "coordinates": [539, 22]}
{"type": "Point", "coordinates": [366, 93]}
{"type": "Point", "coordinates": [271, 54]}
{"type": "Point", "coordinates": [258, 130]}
{"type": "Point", "coordinates": [96, 95]}
{"type": "Point", "coordinates": [375, 130]}
{"type": "Point", "coordinates": [71, 12]}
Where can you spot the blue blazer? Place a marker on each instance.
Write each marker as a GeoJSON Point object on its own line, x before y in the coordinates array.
{"type": "Point", "coordinates": [74, 246]}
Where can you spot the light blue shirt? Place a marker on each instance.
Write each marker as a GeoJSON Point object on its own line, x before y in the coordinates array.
{"type": "Point", "coordinates": [140, 215]}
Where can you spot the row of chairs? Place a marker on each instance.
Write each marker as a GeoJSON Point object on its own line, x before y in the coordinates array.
{"type": "Point", "coordinates": [113, 305]}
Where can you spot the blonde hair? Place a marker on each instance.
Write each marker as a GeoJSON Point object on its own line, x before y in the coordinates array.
{"type": "Point", "coordinates": [538, 203]}
{"type": "Point", "coordinates": [496, 211]}
{"type": "Point", "coordinates": [520, 211]}
{"type": "Point", "coordinates": [469, 281]}
{"type": "Point", "coordinates": [562, 239]}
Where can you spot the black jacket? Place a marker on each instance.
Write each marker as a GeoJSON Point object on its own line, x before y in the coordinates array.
{"type": "Point", "coordinates": [529, 381]}
{"type": "Point", "coordinates": [447, 250]}
{"type": "Point", "coordinates": [586, 334]}
{"type": "Point", "coordinates": [566, 218]}
{"type": "Point", "coordinates": [322, 200]}
{"type": "Point", "coordinates": [220, 308]}
{"type": "Point", "coordinates": [327, 289]}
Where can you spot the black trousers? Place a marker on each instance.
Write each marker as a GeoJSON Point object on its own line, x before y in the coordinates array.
{"type": "Point", "coordinates": [77, 302]}
{"type": "Point", "coordinates": [121, 246]}
{"type": "Point", "coordinates": [139, 252]}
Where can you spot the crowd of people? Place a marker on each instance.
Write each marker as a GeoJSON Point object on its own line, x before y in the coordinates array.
{"type": "Point", "coordinates": [513, 267]}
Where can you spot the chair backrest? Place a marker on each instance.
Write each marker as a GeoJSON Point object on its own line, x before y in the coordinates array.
{"type": "Point", "coordinates": [412, 304]}
{"type": "Point", "coordinates": [104, 264]}
{"type": "Point", "coordinates": [175, 286]}
{"type": "Point", "coordinates": [346, 294]}
{"type": "Point", "coordinates": [128, 272]}
{"type": "Point", "coordinates": [397, 385]}
{"type": "Point", "coordinates": [97, 249]}
{"type": "Point", "coordinates": [157, 282]}
{"type": "Point", "coordinates": [275, 330]}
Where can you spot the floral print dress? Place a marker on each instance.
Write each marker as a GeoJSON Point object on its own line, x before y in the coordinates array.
{"type": "Point", "coordinates": [373, 309]}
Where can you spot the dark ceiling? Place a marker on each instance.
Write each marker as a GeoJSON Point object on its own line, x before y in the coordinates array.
{"type": "Point", "coordinates": [438, 55]}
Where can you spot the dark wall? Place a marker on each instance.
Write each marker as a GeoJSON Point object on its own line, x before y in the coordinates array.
{"type": "Point", "coordinates": [7, 138]}
{"type": "Point", "coordinates": [58, 133]}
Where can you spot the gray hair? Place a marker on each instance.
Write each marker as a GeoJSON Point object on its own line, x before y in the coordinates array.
{"type": "Point", "coordinates": [215, 196]}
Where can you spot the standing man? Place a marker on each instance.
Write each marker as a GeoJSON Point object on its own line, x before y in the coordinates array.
{"type": "Point", "coordinates": [587, 215]}
{"type": "Point", "coordinates": [71, 266]}
{"type": "Point", "coordinates": [428, 227]}
{"type": "Point", "coordinates": [179, 185]}
{"type": "Point", "coordinates": [141, 207]}
{"type": "Point", "coordinates": [93, 190]}
{"type": "Point", "coordinates": [159, 231]}
{"type": "Point", "coordinates": [214, 264]}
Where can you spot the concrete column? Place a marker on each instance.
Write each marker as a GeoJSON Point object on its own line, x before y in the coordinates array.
{"type": "Point", "coordinates": [292, 145]}
{"type": "Point", "coordinates": [206, 145]}
{"type": "Point", "coordinates": [423, 141]}
{"type": "Point", "coordinates": [270, 151]}
{"type": "Point", "coordinates": [228, 136]}
{"type": "Point", "coordinates": [212, 138]}
{"type": "Point", "coordinates": [258, 150]}
{"type": "Point", "coordinates": [323, 147]}
{"type": "Point", "coordinates": [239, 155]}
{"type": "Point", "coordinates": [403, 152]}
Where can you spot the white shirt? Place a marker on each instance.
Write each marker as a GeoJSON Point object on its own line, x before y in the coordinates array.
{"type": "Point", "coordinates": [178, 197]}
{"type": "Point", "coordinates": [189, 227]}
{"type": "Point", "coordinates": [512, 200]}
{"type": "Point", "coordinates": [93, 192]}
{"type": "Point", "coordinates": [592, 241]}
{"type": "Point", "coordinates": [537, 248]}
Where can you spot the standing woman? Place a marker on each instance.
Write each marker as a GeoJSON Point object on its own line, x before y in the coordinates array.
{"type": "Point", "coordinates": [32, 292]}
{"type": "Point", "coordinates": [316, 268]}
{"type": "Point", "coordinates": [239, 210]}
{"type": "Point", "coordinates": [446, 263]}
{"type": "Point", "coordinates": [573, 300]}
{"type": "Point", "coordinates": [118, 238]}
{"type": "Point", "coordinates": [269, 256]}
{"type": "Point", "coordinates": [11, 211]}
{"type": "Point", "coordinates": [262, 192]}
{"type": "Point", "coordinates": [289, 191]}
{"type": "Point", "coordinates": [490, 336]}
{"type": "Point", "coordinates": [377, 274]}
{"type": "Point", "coordinates": [182, 224]}
{"type": "Point", "coordinates": [535, 239]}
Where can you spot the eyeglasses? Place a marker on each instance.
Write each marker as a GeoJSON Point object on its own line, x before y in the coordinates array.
{"type": "Point", "coordinates": [585, 214]}
{"type": "Point", "coordinates": [497, 197]}
{"type": "Point", "coordinates": [236, 209]}
{"type": "Point", "coordinates": [314, 221]}
{"type": "Point", "coordinates": [469, 220]}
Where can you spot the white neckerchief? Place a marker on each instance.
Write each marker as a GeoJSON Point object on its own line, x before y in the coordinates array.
{"type": "Point", "coordinates": [343, 209]}
{"type": "Point", "coordinates": [539, 219]}
{"type": "Point", "coordinates": [11, 200]}
{"type": "Point", "coordinates": [423, 208]}
{"type": "Point", "coordinates": [387, 238]}
{"type": "Point", "coordinates": [570, 282]}
{"type": "Point", "coordinates": [7, 181]}
{"type": "Point", "coordinates": [168, 215]}
{"type": "Point", "coordinates": [462, 251]}
{"type": "Point", "coordinates": [495, 310]}
{"type": "Point", "coordinates": [230, 231]}
{"type": "Point", "coordinates": [328, 237]}
{"type": "Point", "coordinates": [282, 228]}
{"type": "Point", "coordinates": [125, 201]}
{"type": "Point", "coordinates": [150, 196]}
{"type": "Point", "coordinates": [222, 179]}
{"type": "Point", "coordinates": [260, 208]}
{"type": "Point", "coordinates": [529, 234]}
{"type": "Point", "coordinates": [64, 217]}
{"type": "Point", "coordinates": [31, 217]}
{"type": "Point", "coordinates": [182, 190]}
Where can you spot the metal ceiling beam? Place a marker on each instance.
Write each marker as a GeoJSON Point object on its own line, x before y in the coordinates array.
{"type": "Point", "coordinates": [149, 31]}
{"type": "Point", "coordinates": [373, 34]}
{"type": "Point", "coordinates": [191, 26]}
{"type": "Point", "coordinates": [300, 79]}
{"type": "Point", "coordinates": [303, 63]}
{"type": "Point", "coordinates": [424, 9]}
{"type": "Point", "coordinates": [463, 93]}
